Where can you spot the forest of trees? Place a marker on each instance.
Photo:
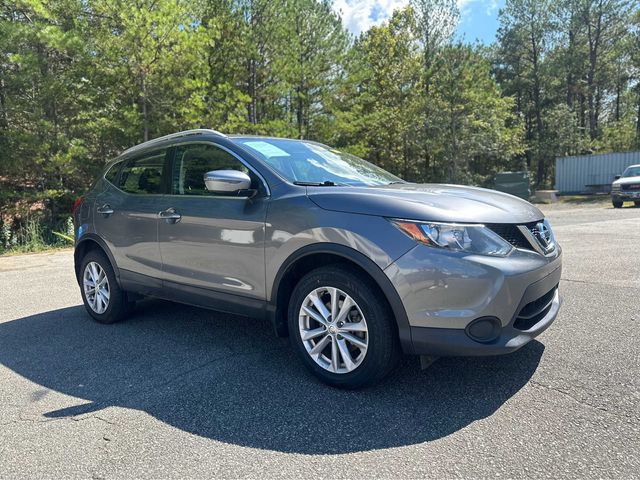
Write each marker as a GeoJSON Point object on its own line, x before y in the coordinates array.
{"type": "Point", "coordinates": [80, 80]}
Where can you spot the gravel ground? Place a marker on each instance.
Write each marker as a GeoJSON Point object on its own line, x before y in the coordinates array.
{"type": "Point", "coordinates": [181, 392]}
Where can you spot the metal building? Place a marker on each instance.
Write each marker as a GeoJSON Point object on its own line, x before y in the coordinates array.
{"type": "Point", "coordinates": [591, 173]}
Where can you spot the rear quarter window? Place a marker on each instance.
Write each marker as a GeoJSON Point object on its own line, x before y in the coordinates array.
{"type": "Point", "coordinates": [112, 174]}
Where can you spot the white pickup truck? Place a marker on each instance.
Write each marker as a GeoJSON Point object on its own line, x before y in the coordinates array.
{"type": "Point", "coordinates": [626, 187]}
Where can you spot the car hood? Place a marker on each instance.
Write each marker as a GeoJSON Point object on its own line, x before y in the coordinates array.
{"type": "Point", "coordinates": [627, 181]}
{"type": "Point", "coordinates": [434, 202]}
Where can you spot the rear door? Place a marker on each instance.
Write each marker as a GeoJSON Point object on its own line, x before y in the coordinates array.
{"type": "Point", "coordinates": [126, 217]}
{"type": "Point", "coordinates": [215, 244]}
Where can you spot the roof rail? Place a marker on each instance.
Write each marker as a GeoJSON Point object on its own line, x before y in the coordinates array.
{"type": "Point", "coordinates": [186, 133]}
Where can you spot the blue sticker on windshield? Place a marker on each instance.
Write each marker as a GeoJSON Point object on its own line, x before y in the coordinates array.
{"type": "Point", "coordinates": [267, 149]}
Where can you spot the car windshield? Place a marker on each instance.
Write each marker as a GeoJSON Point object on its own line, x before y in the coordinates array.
{"type": "Point", "coordinates": [307, 162]}
{"type": "Point", "coordinates": [632, 172]}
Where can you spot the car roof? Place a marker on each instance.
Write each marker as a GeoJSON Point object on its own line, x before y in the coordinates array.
{"type": "Point", "coordinates": [242, 136]}
{"type": "Point", "coordinates": [198, 132]}
{"type": "Point", "coordinates": [204, 133]}
{"type": "Point", "coordinates": [172, 136]}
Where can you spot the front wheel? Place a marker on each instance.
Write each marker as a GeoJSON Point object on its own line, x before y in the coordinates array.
{"type": "Point", "coordinates": [636, 203]}
{"type": "Point", "coordinates": [617, 204]}
{"type": "Point", "coordinates": [342, 328]}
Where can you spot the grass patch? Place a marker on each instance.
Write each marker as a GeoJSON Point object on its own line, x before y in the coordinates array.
{"type": "Point", "coordinates": [45, 249]}
{"type": "Point", "coordinates": [32, 235]}
{"type": "Point", "coordinates": [585, 199]}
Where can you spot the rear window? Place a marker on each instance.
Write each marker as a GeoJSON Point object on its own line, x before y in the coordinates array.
{"type": "Point", "coordinates": [143, 175]}
{"type": "Point", "coordinates": [112, 173]}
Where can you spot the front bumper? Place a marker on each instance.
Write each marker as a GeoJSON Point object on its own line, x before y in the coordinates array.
{"type": "Point", "coordinates": [626, 196]}
{"type": "Point", "coordinates": [444, 296]}
{"type": "Point", "coordinates": [454, 342]}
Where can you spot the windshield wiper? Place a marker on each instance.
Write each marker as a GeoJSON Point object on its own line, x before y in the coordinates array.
{"type": "Point", "coordinates": [327, 183]}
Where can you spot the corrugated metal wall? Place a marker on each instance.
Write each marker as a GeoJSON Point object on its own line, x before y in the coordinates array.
{"type": "Point", "coordinates": [591, 173]}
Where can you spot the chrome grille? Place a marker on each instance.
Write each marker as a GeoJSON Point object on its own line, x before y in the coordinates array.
{"type": "Point", "coordinates": [535, 236]}
{"type": "Point", "coordinates": [512, 234]}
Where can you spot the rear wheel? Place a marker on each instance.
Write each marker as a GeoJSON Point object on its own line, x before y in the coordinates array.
{"type": "Point", "coordinates": [342, 328]}
{"type": "Point", "coordinates": [617, 203]}
{"type": "Point", "coordinates": [103, 298]}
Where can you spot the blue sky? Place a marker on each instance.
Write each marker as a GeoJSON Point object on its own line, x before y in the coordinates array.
{"type": "Point", "coordinates": [478, 18]}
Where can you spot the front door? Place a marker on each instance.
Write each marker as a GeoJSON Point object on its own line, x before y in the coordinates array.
{"type": "Point", "coordinates": [212, 244]}
{"type": "Point", "coordinates": [126, 216]}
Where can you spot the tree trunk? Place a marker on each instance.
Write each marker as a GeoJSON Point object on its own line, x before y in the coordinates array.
{"type": "Point", "coordinates": [427, 87]}
{"type": "Point", "coordinates": [570, 93]}
{"type": "Point", "coordinates": [618, 93]}
{"type": "Point", "coordinates": [300, 89]}
{"type": "Point", "coordinates": [528, 137]}
{"type": "Point", "coordinates": [538, 106]}
{"type": "Point", "coordinates": [4, 123]}
{"type": "Point", "coordinates": [593, 35]}
{"type": "Point", "coordinates": [143, 105]}
{"type": "Point", "coordinates": [583, 119]}
{"type": "Point", "coordinates": [540, 171]}
{"type": "Point", "coordinates": [454, 144]}
{"type": "Point", "coordinates": [253, 103]}
{"type": "Point", "coordinates": [299, 113]}
{"type": "Point", "coordinates": [621, 84]}
{"type": "Point", "coordinates": [638, 121]}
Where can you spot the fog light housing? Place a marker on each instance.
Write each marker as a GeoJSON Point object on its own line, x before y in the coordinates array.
{"type": "Point", "coordinates": [484, 329]}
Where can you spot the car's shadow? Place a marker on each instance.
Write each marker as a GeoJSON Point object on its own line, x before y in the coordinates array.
{"type": "Point", "coordinates": [229, 379]}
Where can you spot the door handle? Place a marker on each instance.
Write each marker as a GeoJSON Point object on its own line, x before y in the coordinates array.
{"type": "Point", "coordinates": [105, 209]}
{"type": "Point", "coordinates": [170, 215]}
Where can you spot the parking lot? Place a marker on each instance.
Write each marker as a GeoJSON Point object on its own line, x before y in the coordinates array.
{"type": "Point", "coordinates": [179, 391]}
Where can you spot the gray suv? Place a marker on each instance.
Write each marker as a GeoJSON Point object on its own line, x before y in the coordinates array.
{"type": "Point", "coordinates": [354, 264]}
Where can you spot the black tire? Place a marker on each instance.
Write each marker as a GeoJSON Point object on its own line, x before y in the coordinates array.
{"type": "Point", "coordinates": [636, 203]}
{"type": "Point", "coordinates": [383, 351]}
{"type": "Point", "coordinates": [119, 306]}
{"type": "Point", "coordinates": [617, 204]}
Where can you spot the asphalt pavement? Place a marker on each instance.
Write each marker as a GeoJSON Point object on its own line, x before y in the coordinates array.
{"type": "Point", "coordinates": [177, 391]}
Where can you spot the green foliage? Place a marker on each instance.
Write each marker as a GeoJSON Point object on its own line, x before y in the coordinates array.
{"type": "Point", "coordinates": [464, 130]}
{"type": "Point", "coordinates": [31, 234]}
{"type": "Point", "coordinates": [80, 80]}
{"type": "Point", "coordinates": [572, 68]}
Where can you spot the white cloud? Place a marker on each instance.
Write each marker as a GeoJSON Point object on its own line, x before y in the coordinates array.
{"type": "Point", "coordinates": [360, 15]}
{"type": "Point", "coordinates": [493, 7]}
{"type": "Point", "coordinates": [490, 6]}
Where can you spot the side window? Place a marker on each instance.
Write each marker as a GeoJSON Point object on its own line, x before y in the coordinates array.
{"type": "Point", "coordinates": [143, 175]}
{"type": "Point", "coordinates": [191, 163]}
{"type": "Point", "coordinates": [112, 173]}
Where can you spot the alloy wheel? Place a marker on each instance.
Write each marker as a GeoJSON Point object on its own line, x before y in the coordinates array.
{"type": "Point", "coordinates": [333, 330]}
{"type": "Point", "coordinates": [96, 287]}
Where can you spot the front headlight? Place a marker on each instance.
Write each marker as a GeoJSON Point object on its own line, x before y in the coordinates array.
{"type": "Point", "coordinates": [615, 187]}
{"type": "Point", "coordinates": [456, 237]}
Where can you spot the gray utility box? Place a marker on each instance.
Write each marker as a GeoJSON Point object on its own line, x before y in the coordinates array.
{"type": "Point", "coordinates": [515, 183]}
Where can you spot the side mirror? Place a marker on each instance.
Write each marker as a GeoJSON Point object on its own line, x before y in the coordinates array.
{"type": "Point", "coordinates": [227, 181]}
{"type": "Point", "coordinates": [617, 177]}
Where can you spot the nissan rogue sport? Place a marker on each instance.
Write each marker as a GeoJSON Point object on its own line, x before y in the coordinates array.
{"type": "Point", "coordinates": [354, 264]}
